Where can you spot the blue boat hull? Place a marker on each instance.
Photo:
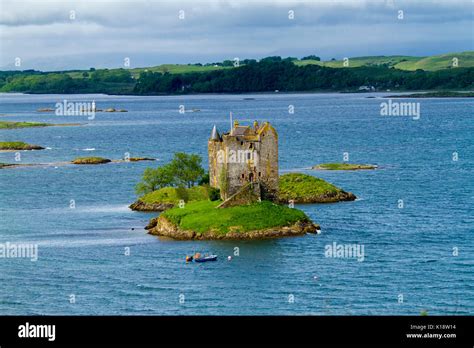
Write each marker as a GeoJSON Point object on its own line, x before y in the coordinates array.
{"type": "Point", "coordinates": [205, 259]}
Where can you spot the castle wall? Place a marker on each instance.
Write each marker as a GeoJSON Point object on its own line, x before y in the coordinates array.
{"type": "Point", "coordinates": [268, 164]}
{"type": "Point", "coordinates": [214, 166]}
{"type": "Point", "coordinates": [240, 160]}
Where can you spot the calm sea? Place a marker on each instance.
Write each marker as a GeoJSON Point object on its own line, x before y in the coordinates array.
{"type": "Point", "coordinates": [413, 216]}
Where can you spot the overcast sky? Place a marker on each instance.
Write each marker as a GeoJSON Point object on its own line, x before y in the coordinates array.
{"type": "Point", "coordinates": [46, 35]}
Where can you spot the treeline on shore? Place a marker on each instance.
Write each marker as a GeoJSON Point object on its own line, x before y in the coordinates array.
{"type": "Point", "coordinates": [264, 76]}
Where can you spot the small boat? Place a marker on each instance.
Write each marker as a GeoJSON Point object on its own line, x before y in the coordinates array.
{"type": "Point", "coordinates": [206, 258]}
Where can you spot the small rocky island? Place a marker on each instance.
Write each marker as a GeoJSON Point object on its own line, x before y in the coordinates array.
{"type": "Point", "coordinates": [90, 160]}
{"type": "Point", "coordinates": [244, 197]}
{"type": "Point", "coordinates": [101, 160]}
{"type": "Point", "coordinates": [15, 124]}
{"type": "Point", "coordinates": [18, 146]}
{"type": "Point", "coordinates": [204, 220]}
{"type": "Point", "coordinates": [344, 166]}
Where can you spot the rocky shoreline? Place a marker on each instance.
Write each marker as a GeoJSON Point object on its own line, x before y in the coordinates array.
{"type": "Point", "coordinates": [329, 197]}
{"type": "Point", "coordinates": [143, 206]}
{"type": "Point", "coordinates": [162, 227]}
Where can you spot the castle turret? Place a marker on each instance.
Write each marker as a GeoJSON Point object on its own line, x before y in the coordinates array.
{"type": "Point", "coordinates": [215, 134]}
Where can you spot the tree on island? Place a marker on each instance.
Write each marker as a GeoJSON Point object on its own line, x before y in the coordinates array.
{"type": "Point", "coordinates": [187, 169]}
{"type": "Point", "coordinates": [184, 170]}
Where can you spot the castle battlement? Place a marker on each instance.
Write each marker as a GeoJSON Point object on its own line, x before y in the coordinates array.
{"type": "Point", "coordinates": [246, 154]}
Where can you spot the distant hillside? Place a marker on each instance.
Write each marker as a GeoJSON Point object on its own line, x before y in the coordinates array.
{"type": "Point", "coordinates": [432, 63]}
{"type": "Point", "coordinates": [443, 61]}
{"type": "Point", "coordinates": [164, 68]}
{"type": "Point", "coordinates": [377, 73]}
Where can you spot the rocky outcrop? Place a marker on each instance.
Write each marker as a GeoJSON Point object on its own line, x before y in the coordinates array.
{"type": "Point", "coordinates": [161, 226]}
{"type": "Point", "coordinates": [344, 166]}
{"type": "Point", "coordinates": [143, 206]}
{"type": "Point", "coordinates": [328, 197]}
{"type": "Point", "coordinates": [18, 146]}
{"type": "Point", "coordinates": [90, 160]}
{"type": "Point", "coordinates": [138, 159]}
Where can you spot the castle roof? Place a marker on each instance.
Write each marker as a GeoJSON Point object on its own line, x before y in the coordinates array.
{"type": "Point", "coordinates": [215, 134]}
{"type": "Point", "coordinates": [242, 130]}
{"type": "Point", "coordinates": [247, 133]}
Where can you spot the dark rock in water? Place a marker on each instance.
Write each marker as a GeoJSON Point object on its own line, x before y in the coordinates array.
{"type": "Point", "coordinates": [143, 206]}
{"type": "Point", "coordinates": [152, 223]}
{"type": "Point", "coordinates": [137, 159]}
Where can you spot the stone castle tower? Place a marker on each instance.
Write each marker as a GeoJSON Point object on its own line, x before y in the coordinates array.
{"type": "Point", "coordinates": [245, 157]}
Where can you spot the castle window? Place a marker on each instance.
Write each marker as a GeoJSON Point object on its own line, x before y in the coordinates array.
{"type": "Point", "coordinates": [259, 174]}
{"type": "Point", "coordinates": [241, 143]}
{"type": "Point", "coordinates": [248, 155]}
{"type": "Point", "coordinates": [251, 146]}
{"type": "Point", "coordinates": [243, 176]}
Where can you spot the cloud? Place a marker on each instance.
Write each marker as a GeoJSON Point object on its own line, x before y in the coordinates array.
{"type": "Point", "coordinates": [47, 35]}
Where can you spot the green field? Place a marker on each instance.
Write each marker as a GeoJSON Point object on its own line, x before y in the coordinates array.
{"type": "Point", "coordinates": [170, 68]}
{"type": "Point", "coordinates": [432, 63]}
{"type": "Point", "coordinates": [444, 61]}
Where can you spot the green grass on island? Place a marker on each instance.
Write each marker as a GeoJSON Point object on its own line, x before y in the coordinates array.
{"type": "Point", "coordinates": [344, 166]}
{"type": "Point", "coordinates": [18, 145]}
{"type": "Point", "coordinates": [168, 197]}
{"type": "Point", "coordinates": [203, 216]}
{"type": "Point", "coordinates": [90, 160]}
{"type": "Point", "coordinates": [13, 125]}
{"type": "Point", "coordinates": [173, 195]}
{"type": "Point", "coordinates": [302, 188]}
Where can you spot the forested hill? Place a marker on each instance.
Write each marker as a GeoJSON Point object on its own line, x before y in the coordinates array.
{"type": "Point", "coordinates": [267, 75]}
{"type": "Point", "coordinates": [287, 77]}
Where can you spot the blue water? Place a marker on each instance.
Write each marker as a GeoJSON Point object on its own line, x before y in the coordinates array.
{"type": "Point", "coordinates": [408, 251]}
